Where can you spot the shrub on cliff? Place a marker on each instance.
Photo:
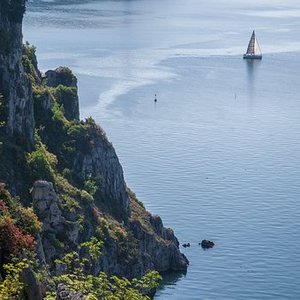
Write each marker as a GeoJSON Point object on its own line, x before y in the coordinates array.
{"type": "Point", "coordinates": [12, 287]}
{"type": "Point", "coordinates": [24, 218]}
{"type": "Point", "coordinates": [66, 96]}
{"type": "Point", "coordinates": [41, 162]}
{"type": "Point", "coordinates": [28, 220]}
{"type": "Point", "coordinates": [102, 286]}
{"type": "Point", "coordinates": [61, 76]}
{"type": "Point", "coordinates": [12, 240]}
{"type": "Point", "coordinates": [30, 63]}
{"type": "Point", "coordinates": [18, 225]}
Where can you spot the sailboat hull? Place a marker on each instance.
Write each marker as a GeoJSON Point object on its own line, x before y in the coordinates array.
{"type": "Point", "coordinates": [252, 56]}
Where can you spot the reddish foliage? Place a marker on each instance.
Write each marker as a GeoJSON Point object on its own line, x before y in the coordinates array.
{"type": "Point", "coordinates": [3, 206]}
{"type": "Point", "coordinates": [12, 239]}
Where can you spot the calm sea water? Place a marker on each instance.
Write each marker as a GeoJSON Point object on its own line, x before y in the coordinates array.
{"type": "Point", "coordinates": [218, 155]}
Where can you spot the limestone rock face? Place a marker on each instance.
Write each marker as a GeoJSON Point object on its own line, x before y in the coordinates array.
{"type": "Point", "coordinates": [114, 261]}
{"type": "Point", "coordinates": [14, 85]}
{"type": "Point", "coordinates": [160, 245]}
{"type": "Point", "coordinates": [61, 76]}
{"type": "Point", "coordinates": [64, 294]}
{"type": "Point", "coordinates": [56, 229]}
{"type": "Point", "coordinates": [100, 160]}
{"type": "Point", "coordinates": [33, 290]}
{"type": "Point", "coordinates": [64, 77]}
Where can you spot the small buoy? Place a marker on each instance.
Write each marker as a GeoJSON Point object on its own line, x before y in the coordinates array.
{"type": "Point", "coordinates": [155, 99]}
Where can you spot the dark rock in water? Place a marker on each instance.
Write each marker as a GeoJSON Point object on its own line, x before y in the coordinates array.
{"type": "Point", "coordinates": [186, 245]}
{"type": "Point", "coordinates": [206, 244]}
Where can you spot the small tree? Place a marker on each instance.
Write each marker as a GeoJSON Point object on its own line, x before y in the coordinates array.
{"type": "Point", "coordinates": [12, 287]}
{"type": "Point", "coordinates": [12, 239]}
{"type": "Point", "coordinates": [102, 286]}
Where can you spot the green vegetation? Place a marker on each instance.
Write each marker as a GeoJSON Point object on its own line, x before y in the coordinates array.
{"type": "Point", "coordinates": [101, 286]}
{"type": "Point", "coordinates": [41, 162]}
{"type": "Point", "coordinates": [12, 286]}
{"type": "Point", "coordinates": [94, 247]}
{"type": "Point", "coordinates": [59, 141]}
{"type": "Point", "coordinates": [30, 63]}
{"type": "Point", "coordinates": [66, 97]}
{"type": "Point", "coordinates": [19, 226]}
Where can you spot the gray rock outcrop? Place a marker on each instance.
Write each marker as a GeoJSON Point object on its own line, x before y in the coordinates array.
{"type": "Point", "coordinates": [14, 84]}
{"type": "Point", "coordinates": [56, 229]}
{"type": "Point", "coordinates": [160, 245]}
{"type": "Point", "coordinates": [63, 77]}
{"type": "Point", "coordinates": [100, 160]}
{"type": "Point", "coordinates": [64, 294]}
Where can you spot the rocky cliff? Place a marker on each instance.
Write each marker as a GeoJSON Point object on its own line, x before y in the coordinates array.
{"type": "Point", "coordinates": [14, 84]}
{"type": "Point", "coordinates": [76, 183]}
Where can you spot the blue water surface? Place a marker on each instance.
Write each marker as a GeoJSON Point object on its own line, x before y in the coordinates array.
{"type": "Point", "coordinates": [217, 156]}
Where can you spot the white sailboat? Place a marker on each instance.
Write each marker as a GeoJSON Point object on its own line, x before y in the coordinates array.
{"type": "Point", "coordinates": [253, 50]}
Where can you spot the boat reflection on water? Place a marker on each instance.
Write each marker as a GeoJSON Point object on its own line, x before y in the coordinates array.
{"type": "Point", "coordinates": [252, 66]}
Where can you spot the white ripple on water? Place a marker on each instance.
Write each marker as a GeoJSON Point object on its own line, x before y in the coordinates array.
{"type": "Point", "coordinates": [142, 68]}
{"type": "Point", "coordinates": [135, 68]}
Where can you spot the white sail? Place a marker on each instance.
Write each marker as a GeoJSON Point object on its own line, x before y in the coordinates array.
{"type": "Point", "coordinates": [253, 50]}
{"type": "Point", "coordinates": [251, 45]}
{"type": "Point", "coordinates": [257, 50]}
